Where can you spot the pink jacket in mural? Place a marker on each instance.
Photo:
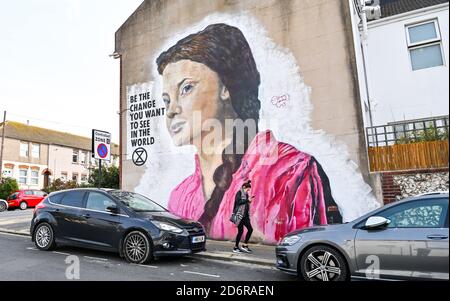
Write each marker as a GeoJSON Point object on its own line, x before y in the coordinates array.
{"type": "Point", "coordinates": [290, 187]}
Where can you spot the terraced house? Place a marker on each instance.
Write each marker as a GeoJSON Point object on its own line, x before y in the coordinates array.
{"type": "Point", "coordinates": [35, 156]}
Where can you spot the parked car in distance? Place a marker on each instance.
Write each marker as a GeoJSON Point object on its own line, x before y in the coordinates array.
{"type": "Point", "coordinates": [406, 240]}
{"type": "Point", "coordinates": [114, 220]}
{"type": "Point", "coordinates": [3, 205]}
{"type": "Point", "coordinates": [25, 198]}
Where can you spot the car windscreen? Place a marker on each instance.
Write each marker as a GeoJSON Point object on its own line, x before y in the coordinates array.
{"type": "Point", "coordinates": [137, 202]}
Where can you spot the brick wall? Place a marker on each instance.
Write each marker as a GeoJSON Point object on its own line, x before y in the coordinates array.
{"type": "Point", "coordinates": [391, 191]}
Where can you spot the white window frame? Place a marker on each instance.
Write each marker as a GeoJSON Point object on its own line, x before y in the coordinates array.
{"type": "Point", "coordinates": [36, 178]}
{"type": "Point", "coordinates": [23, 177]}
{"type": "Point", "coordinates": [27, 152]}
{"type": "Point", "coordinates": [83, 157]}
{"type": "Point", "coordinates": [8, 172]}
{"type": "Point", "coordinates": [35, 146]}
{"type": "Point", "coordinates": [84, 178]}
{"type": "Point", "coordinates": [424, 43]}
{"type": "Point", "coordinates": [76, 152]}
{"type": "Point", "coordinates": [64, 176]}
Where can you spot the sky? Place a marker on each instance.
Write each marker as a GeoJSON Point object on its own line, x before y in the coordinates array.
{"type": "Point", "coordinates": [55, 69]}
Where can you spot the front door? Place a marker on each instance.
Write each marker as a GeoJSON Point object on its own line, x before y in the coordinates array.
{"type": "Point", "coordinates": [101, 228]}
{"type": "Point", "coordinates": [413, 245]}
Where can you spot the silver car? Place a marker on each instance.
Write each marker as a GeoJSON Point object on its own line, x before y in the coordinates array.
{"type": "Point", "coordinates": [406, 240]}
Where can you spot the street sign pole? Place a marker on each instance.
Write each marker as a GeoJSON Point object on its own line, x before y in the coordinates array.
{"type": "Point", "coordinates": [3, 143]}
{"type": "Point", "coordinates": [99, 173]}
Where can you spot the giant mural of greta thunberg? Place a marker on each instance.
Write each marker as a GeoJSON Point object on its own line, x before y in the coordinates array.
{"type": "Point", "coordinates": [212, 73]}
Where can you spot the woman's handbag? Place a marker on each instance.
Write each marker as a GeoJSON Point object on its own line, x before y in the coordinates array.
{"type": "Point", "coordinates": [238, 215]}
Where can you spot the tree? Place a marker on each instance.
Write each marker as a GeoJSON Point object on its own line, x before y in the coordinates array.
{"type": "Point", "coordinates": [109, 177]}
{"type": "Point", "coordinates": [7, 187]}
{"type": "Point", "coordinates": [59, 184]}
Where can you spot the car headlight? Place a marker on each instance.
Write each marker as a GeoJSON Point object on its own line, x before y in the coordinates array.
{"type": "Point", "coordinates": [167, 227]}
{"type": "Point", "coordinates": [291, 240]}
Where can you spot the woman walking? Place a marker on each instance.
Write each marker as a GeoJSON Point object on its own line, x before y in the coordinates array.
{"type": "Point", "coordinates": [242, 212]}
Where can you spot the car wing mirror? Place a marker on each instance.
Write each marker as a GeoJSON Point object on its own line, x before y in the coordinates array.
{"type": "Point", "coordinates": [375, 222]}
{"type": "Point", "coordinates": [112, 209]}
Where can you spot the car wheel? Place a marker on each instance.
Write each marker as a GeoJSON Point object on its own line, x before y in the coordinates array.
{"type": "Point", "coordinates": [3, 206]}
{"type": "Point", "coordinates": [44, 237]}
{"type": "Point", "coordinates": [23, 205]}
{"type": "Point", "coordinates": [322, 263]}
{"type": "Point", "coordinates": [136, 248]}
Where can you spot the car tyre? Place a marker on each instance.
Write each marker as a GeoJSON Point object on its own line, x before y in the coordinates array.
{"type": "Point", "coordinates": [137, 248]}
{"type": "Point", "coordinates": [322, 263]}
{"type": "Point", "coordinates": [3, 206]}
{"type": "Point", "coordinates": [23, 205]}
{"type": "Point", "coordinates": [44, 237]}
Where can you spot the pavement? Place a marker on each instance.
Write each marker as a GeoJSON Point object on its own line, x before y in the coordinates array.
{"type": "Point", "coordinates": [21, 260]}
{"type": "Point", "coordinates": [17, 222]}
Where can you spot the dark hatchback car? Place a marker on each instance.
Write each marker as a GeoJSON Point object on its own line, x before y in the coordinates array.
{"type": "Point", "coordinates": [114, 220]}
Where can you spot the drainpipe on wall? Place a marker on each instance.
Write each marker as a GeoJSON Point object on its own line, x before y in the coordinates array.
{"type": "Point", "coordinates": [364, 44]}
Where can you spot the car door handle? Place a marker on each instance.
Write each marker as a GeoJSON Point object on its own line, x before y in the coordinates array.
{"type": "Point", "coordinates": [437, 236]}
{"type": "Point", "coordinates": [87, 215]}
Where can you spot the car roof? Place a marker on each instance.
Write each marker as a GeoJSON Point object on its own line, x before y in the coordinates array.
{"type": "Point", "coordinates": [88, 189]}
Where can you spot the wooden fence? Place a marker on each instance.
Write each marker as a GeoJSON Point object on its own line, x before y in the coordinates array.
{"type": "Point", "coordinates": [419, 155]}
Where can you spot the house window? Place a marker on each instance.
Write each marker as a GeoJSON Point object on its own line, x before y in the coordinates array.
{"type": "Point", "coordinates": [84, 178]}
{"type": "Point", "coordinates": [424, 45]}
{"type": "Point", "coordinates": [75, 156]}
{"type": "Point", "coordinates": [23, 176]}
{"type": "Point", "coordinates": [64, 176]}
{"type": "Point", "coordinates": [7, 172]}
{"type": "Point", "coordinates": [24, 149]}
{"type": "Point", "coordinates": [34, 177]}
{"type": "Point", "coordinates": [75, 177]}
{"type": "Point", "coordinates": [83, 158]}
{"type": "Point", "coordinates": [35, 150]}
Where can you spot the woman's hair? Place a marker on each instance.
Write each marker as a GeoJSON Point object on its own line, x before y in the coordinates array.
{"type": "Point", "coordinates": [224, 50]}
{"type": "Point", "coordinates": [246, 185]}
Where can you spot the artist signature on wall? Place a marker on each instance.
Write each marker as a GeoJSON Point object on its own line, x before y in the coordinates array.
{"type": "Point", "coordinates": [280, 101]}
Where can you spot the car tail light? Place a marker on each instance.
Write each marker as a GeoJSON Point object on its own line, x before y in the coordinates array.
{"type": "Point", "coordinates": [41, 205]}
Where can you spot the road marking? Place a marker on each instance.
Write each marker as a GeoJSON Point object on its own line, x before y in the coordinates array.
{"type": "Point", "coordinates": [14, 221]}
{"type": "Point", "coordinates": [202, 274]}
{"type": "Point", "coordinates": [95, 258]}
{"type": "Point", "coordinates": [61, 253]}
{"type": "Point", "coordinates": [31, 248]}
{"type": "Point", "coordinates": [145, 266]}
{"type": "Point", "coordinates": [13, 234]}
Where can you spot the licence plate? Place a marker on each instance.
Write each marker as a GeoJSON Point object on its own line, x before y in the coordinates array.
{"type": "Point", "coordinates": [198, 239]}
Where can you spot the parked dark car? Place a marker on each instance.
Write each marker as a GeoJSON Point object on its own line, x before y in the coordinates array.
{"type": "Point", "coordinates": [113, 220]}
{"type": "Point", "coordinates": [407, 240]}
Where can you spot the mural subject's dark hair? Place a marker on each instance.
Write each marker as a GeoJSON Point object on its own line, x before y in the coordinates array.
{"type": "Point", "coordinates": [225, 50]}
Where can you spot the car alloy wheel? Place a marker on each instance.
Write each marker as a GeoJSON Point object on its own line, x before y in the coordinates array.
{"type": "Point", "coordinates": [136, 247]}
{"type": "Point", "coordinates": [43, 237]}
{"type": "Point", "coordinates": [3, 206]}
{"type": "Point", "coordinates": [23, 206]}
{"type": "Point", "coordinates": [323, 264]}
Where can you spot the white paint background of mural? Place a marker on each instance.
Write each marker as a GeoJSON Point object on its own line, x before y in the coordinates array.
{"type": "Point", "coordinates": [280, 75]}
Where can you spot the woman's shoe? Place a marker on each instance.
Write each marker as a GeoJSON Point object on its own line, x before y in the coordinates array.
{"type": "Point", "coordinates": [236, 250]}
{"type": "Point", "coordinates": [246, 249]}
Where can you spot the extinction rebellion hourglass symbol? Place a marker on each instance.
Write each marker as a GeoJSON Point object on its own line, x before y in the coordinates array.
{"type": "Point", "coordinates": [139, 156]}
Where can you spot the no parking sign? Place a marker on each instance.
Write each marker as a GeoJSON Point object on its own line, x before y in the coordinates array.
{"type": "Point", "coordinates": [101, 145]}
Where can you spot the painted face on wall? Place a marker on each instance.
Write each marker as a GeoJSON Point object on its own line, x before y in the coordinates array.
{"type": "Point", "coordinates": [190, 87]}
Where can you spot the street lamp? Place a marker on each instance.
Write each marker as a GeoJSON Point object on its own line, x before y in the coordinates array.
{"type": "Point", "coordinates": [115, 56]}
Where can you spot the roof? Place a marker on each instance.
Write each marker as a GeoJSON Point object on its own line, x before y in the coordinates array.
{"type": "Point", "coordinates": [396, 7]}
{"type": "Point", "coordinates": [20, 131]}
